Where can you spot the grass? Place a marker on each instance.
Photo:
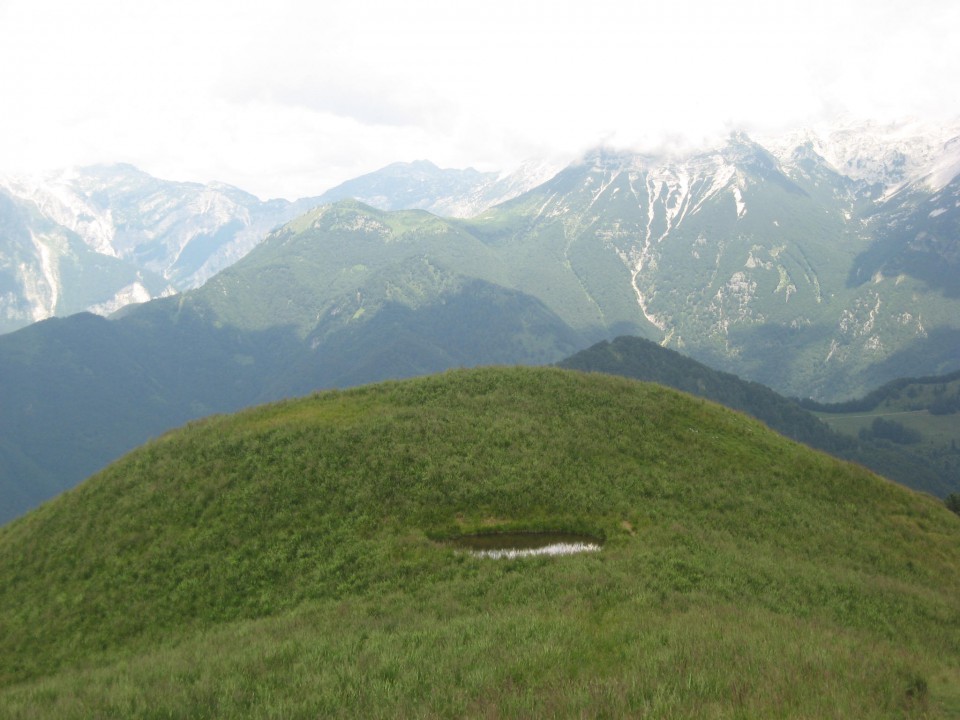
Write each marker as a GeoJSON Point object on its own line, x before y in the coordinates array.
{"type": "Point", "coordinates": [288, 562]}
{"type": "Point", "coordinates": [567, 656]}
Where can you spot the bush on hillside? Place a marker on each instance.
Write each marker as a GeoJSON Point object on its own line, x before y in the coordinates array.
{"type": "Point", "coordinates": [891, 430]}
{"type": "Point", "coordinates": [952, 501]}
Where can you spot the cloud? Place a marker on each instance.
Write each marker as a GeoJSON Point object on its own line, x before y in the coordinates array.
{"type": "Point", "coordinates": [289, 97]}
{"type": "Point", "coordinates": [369, 100]}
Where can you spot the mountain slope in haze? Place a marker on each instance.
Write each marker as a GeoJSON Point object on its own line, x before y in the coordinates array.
{"type": "Point", "coordinates": [819, 264]}
{"type": "Point", "coordinates": [407, 186]}
{"type": "Point", "coordinates": [290, 560]}
{"type": "Point", "coordinates": [938, 394]}
{"type": "Point", "coordinates": [347, 272]}
{"type": "Point", "coordinates": [883, 157]}
{"type": "Point", "coordinates": [645, 360]}
{"type": "Point", "coordinates": [447, 192]}
{"type": "Point", "coordinates": [101, 237]}
{"type": "Point", "coordinates": [82, 390]}
{"type": "Point", "coordinates": [48, 269]}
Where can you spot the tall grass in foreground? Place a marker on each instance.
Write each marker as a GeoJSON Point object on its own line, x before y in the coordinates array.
{"type": "Point", "coordinates": [509, 650]}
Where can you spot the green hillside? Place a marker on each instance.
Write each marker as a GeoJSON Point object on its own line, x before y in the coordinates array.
{"type": "Point", "coordinates": [290, 561]}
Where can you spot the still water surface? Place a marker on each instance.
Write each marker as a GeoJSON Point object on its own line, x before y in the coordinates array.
{"type": "Point", "coordinates": [514, 545]}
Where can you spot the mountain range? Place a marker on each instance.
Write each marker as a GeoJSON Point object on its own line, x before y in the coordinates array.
{"type": "Point", "coordinates": [837, 247]}
{"type": "Point", "coordinates": [821, 267]}
{"type": "Point", "coordinates": [101, 237]}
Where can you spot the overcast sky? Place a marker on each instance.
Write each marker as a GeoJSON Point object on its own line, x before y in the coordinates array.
{"type": "Point", "coordinates": [288, 98]}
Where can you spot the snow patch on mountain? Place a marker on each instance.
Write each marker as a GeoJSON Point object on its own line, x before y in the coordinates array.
{"type": "Point", "coordinates": [741, 205]}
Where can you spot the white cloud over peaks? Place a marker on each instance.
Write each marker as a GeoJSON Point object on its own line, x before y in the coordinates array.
{"type": "Point", "coordinates": [292, 97]}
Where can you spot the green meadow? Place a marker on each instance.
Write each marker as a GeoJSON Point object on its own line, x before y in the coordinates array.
{"type": "Point", "coordinates": [293, 561]}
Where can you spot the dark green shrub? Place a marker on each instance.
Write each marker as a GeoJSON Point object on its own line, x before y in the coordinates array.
{"type": "Point", "coordinates": [952, 501]}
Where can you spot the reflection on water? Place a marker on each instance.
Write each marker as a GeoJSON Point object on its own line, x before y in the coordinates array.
{"type": "Point", "coordinates": [515, 545]}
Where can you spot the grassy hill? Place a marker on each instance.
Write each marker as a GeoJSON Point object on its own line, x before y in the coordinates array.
{"type": "Point", "coordinates": [290, 561]}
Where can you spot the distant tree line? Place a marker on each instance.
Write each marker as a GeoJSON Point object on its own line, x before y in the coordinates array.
{"type": "Point", "coordinates": [945, 404]}
{"type": "Point", "coordinates": [873, 399]}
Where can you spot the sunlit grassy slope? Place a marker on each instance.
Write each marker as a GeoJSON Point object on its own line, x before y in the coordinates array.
{"type": "Point", "coordinates": [288, 562]}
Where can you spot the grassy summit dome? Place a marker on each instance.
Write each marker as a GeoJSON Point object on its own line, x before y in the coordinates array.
{"type": "Point", "coordinates": [289, 561]}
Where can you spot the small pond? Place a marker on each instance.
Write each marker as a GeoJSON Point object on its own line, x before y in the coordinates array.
{"type": "Point", "coordinates": [526, 544]}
